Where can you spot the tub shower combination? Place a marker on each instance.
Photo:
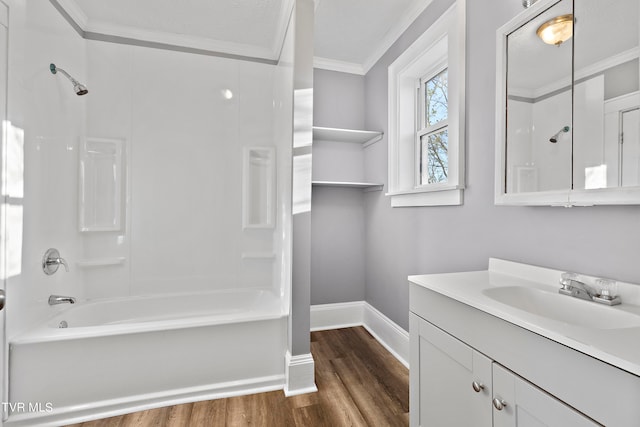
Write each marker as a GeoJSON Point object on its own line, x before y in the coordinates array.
{"type": "Point", "coordinates": [131, 353]}
{"type": "Point", "coordinates": [103, 356]}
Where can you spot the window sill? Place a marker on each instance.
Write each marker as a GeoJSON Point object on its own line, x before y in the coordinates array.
{"type": "Point", "coordinates": [442, 196]}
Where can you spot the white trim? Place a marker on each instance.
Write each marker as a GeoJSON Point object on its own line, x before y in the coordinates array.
{"type": "Point", "coordinates": [622, 102]}
{"type": "Point", "coordinates": [388, 333]}
{"type": "Point", "coordinates": [443, 42]}
{"type": "Point", "coordinates": [299, 374]}
{"type": "Point", "coordinates": [427, 198]}
{"type": "Point", "coordinates": [143, 402]}
{"type": "Point", "coordinates": [105, 29]}
{"type": "Point", "coordinates": [361, 313]}
{"type": "Point", "coordinates": [184, 40]}
{"type": "Point", "coordinates": [391, 36]}
{"type": "Point", "coordinates": [394, 34]}
{"type": "Point", "coordinates": [337, 65]}
{"type": "Point", "coordinates": [282, 25]}
{"type": "Point", "coordinates": [335, 316]}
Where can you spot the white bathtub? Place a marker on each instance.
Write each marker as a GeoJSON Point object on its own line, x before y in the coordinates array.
{"type": "Point", "coordinates": [121, 355]}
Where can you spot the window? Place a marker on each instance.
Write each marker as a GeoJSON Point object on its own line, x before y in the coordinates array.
{"type": "Point", "coordinates": [432, 133]}
{"type": "Point", "coordinates": [426, 116]}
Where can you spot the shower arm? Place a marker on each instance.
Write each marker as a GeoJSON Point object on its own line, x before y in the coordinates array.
{"type": "Point", "coordinates": [55, 70]}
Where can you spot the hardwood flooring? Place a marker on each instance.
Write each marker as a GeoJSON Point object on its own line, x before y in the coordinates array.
{"type": "Point", "coordinates": [359, 384]}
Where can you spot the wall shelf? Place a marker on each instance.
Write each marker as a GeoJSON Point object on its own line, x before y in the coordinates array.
{"type": "Point", "coordinates": [367, 186]}
{"type": "Point", "coordinates": [364, 137]}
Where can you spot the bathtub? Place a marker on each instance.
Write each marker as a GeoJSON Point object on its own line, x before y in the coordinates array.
{"type": "Point", "coordinates": [121, 355]}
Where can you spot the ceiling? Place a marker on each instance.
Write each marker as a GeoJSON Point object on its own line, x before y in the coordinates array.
{"type": "Point", "coordinates": [350, 35]}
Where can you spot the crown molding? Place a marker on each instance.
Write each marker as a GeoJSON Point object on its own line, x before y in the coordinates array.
{"type": "Point", "coordinates": [388, 40]}
{"type": "Point", "coordinates": [283, 24]}
{"type": "Point", "coordinates": [97, 30]}
{"type": "Point", "coordinates": [74, 11]}
{"type": "Point", "coordinates": [183, 40]}
{"type": "Point", "coordinates": [394, 33]}
{"type": "Point", "coordinates": [336, 65]}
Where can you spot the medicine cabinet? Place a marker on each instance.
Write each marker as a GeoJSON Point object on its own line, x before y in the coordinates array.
{"type": "Point", "coordinates": [568, 104]}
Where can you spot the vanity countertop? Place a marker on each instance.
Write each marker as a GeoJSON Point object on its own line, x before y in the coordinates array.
{"type": "Point", "coordinates": [615, 341]}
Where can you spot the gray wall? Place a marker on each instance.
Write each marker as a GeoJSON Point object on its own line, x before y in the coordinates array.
{"type": "Point", "coordinates": [337, 245]}
{"type": "Point", "coordinates": [337, 223]}
{"type": "Point", "coordinates": [602, 241]}
{"type": "Point", "coordinates": [299, 321]}
{"type": "Point", "coordinates": [338, 100]}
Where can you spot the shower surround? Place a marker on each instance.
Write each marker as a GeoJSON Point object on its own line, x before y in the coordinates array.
{"type": "Point", "coordinates": [176, 280]}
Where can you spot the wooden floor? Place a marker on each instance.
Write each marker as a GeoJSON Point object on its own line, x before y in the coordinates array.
{"type": "Point", "coordinates": [359, 384]}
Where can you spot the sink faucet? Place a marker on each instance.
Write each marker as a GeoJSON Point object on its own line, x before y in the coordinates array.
{"type": "Point", "coordinates": [59, 299]}
{"type": "Point", "coordinates": [573, 287]}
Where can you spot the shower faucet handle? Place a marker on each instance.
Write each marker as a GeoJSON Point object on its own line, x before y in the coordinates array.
{"type": "Point", "coordinates": [51, 261]}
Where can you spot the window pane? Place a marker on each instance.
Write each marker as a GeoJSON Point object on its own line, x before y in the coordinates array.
{"type": "Point", "coordinates": [436, 102]}
{"type": "Point", "coordinates": [434, 157]}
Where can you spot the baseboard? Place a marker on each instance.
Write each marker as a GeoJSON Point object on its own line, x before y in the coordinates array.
{"type": "Point", "coordinates": [361, 313]}
{"type": "Point", "coordinates": [299, 374]}
{"type": "Point", "coordinates": [120, 406]}
{"type": "Point", "coordinates": [335, 316]}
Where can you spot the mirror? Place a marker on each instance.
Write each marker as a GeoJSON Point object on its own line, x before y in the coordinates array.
{"type": "Point", "coordinates": [568, 108]}
{"type": "Point", "coordinates": [606, 104]}
{"type": "Point", "coordinates": [539, 96]}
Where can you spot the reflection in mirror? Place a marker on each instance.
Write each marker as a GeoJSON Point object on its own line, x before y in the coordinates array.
{"type": "Point", "coordinates": [539, 127]}
{"type": "Point", "coordinates": [606, 100]}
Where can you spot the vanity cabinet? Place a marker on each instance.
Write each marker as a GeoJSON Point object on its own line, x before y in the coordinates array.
{"type": "Point", "coordinates": [455, 385]}
{"type": "Point", "coordinates": [528, 406]}
{"type": "Point", "coordinates": [442, 392]}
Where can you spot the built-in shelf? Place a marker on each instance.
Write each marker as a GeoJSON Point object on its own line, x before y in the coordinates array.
{"type": "Point", "coordinates": [364, 137]}
{"type": "Point", "coordinates": [367, 186]}
{"type": "Point", "coordinates": [100, 262]}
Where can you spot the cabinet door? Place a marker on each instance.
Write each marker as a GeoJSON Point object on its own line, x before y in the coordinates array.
{"type": "Point", "coordinates": [441, 380]}
{"type": "Point", "coordinates": [525, 405]}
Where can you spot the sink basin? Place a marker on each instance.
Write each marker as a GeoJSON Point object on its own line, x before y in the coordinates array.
{"type": "Point", "coordinates": [562, 308]}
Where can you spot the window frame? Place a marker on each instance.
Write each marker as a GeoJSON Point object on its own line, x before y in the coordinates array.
{"type": "Point", "coordinates": [441, 46]}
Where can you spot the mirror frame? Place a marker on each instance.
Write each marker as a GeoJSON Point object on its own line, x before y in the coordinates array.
{"type": "Point", "coordinates": [568, 197]}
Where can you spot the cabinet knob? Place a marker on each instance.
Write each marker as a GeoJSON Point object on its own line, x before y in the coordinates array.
{"type": "Point", "coordinates": [499, 404]}
{"type": "Point", "coordinates": [477, 387]}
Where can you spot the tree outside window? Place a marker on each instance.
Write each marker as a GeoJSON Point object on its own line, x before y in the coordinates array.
{"type": "Point", "coordinates": [432, 134]}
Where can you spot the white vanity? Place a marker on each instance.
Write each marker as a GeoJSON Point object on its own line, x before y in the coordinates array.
{"type": "Point", "coordinates": [503, 348]}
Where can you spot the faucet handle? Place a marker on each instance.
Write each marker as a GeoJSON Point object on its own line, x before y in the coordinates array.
{"type": "Point", "coordinates": [607, 288]}
{"type": "Point", "coordinates": [52, 260]}
{"type": "Point", "coordinates": [64, 263]}
{"type": "Point", "coordinates": [566, 278]}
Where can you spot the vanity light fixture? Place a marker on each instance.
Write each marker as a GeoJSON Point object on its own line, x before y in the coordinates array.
{"type": "Point", "coordinates": [556, 30]}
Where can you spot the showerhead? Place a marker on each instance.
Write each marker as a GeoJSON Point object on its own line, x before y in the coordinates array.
{"type": "Point", "coordinates": [78, 87]}
{"type": "Point", "coordinates": [554, 138]}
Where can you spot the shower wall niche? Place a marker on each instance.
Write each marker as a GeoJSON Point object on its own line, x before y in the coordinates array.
{"type": "Point", "coordinates": [101, 184]}
{"type": "Point", "coordinates": [258, 187]}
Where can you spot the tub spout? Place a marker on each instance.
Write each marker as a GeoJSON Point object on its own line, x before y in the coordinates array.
{"type": "Point", "coordinates": [59, 299]}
